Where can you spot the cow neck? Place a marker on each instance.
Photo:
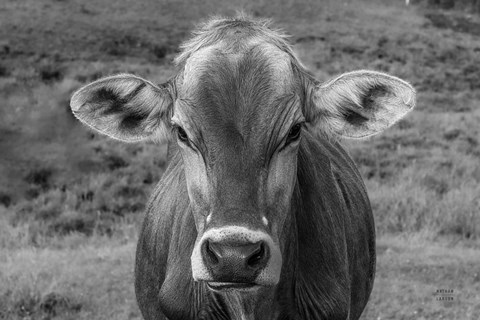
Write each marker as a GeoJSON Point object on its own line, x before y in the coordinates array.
{"type": "Point", "coordinates": [320, 281]}
{"type": "Point", "coordinates": [284, 297]}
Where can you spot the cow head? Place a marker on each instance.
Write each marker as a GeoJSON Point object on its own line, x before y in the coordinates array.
{"type": "Point", "coordinates": [237, 109]}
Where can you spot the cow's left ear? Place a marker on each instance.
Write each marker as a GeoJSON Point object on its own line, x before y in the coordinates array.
{"type": "Point", "coordinates": [361, 103]}
{"type": "Point", "coordinates": [125, 107]}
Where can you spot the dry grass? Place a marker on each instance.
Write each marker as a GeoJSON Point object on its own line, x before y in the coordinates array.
{"type": "Point", "coordinates": [411, 270]}
{"type": "Point", "coordinates": [66, 277]}
{"type": "Point", "coordinates": [76, 278]}
{"type": "Point", "coordinates": [79, 277]}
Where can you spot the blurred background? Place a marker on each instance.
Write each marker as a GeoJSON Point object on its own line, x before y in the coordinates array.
{"type": "Point", "coordinates": [71, 201]}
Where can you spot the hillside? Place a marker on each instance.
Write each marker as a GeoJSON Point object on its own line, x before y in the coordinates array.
{"type": "Point", "coordinates": [421, 174]}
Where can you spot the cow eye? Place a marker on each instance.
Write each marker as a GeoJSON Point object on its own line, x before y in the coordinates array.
{"type": "Point", "coordinates": [181, 134]}
{"type": "Point", "coordinates": [294, 133]}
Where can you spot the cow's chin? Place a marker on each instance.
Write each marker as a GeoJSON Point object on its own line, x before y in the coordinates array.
{"type": "Point", "coordinates": [218, 284]}
{"type": "Point", "coordinates": [229, 286]}
{"type": "Point", "coordinates": [232, 286]}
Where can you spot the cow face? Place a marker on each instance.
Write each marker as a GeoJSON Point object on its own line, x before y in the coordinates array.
{"type": "Point", "coordinates": [238, 123]}
{"type": "Point", "coordinates": [237, 112]}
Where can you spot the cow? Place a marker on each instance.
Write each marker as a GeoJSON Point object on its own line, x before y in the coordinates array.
{"type": "Point", "coordinates": [260, 214]}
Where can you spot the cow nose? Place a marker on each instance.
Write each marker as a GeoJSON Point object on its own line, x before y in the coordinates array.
{"type": "Point", "coordinates": [235, 261]}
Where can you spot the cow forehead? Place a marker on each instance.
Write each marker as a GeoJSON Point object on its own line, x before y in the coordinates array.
{"type": "Point", "coordinates": [233, 54]}
{"type": "Point", "coordinates": [238, 98]}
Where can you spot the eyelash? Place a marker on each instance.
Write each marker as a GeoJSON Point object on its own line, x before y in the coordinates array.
{"type": "Point", "coordinates": [294, 133]}
{"type": "Point", "coordinates": [181, 134]}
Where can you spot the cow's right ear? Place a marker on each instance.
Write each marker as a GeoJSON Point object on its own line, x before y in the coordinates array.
{"type": "Point", "coordinates": [125, 107]}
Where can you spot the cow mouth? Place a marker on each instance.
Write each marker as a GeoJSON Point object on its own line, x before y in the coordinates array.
{"type": "Point", "coordinates": [224, 286]}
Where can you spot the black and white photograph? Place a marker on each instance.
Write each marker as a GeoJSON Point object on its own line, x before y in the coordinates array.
{"type": "Point", "coordinates": [240, 160]}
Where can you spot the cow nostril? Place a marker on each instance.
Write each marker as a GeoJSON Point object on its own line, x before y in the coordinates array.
{"type": "Point", "coordinates": [257, 256]}
{"type": "Point", "coordinates": [212, 256]}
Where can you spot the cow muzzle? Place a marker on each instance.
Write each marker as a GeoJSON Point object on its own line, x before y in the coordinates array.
{"type": "Point", "coordinates": [236, 258]}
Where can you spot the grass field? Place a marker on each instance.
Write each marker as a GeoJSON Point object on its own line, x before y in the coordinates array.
{"type": "Point", "coordinates": [71, 200]}
{"type": "Point", "coordinates": [91, 278]}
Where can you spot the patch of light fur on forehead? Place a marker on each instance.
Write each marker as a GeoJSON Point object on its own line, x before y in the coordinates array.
{"type": "Point", "coordinates": [280, 64]}
{"type": "Point", "coordinates": [197, 63]}
{"type": "Point", "coordinates": [195, 66]}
